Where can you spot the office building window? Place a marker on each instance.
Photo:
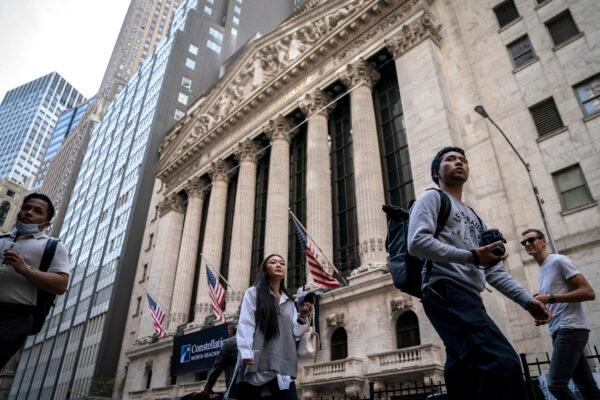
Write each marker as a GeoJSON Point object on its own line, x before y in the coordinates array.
{"type": "Point", "coordinates": [191, 64]}
{"type": "Point", "coordinates": [186, 82]}
{"type": "Point", "coordinates": [210, 1]}
{"type": "Point", "coordinates": [236, 20]}
{"type": "Point", "coordinates": [562, 27]}
{"type": "Point", "coordinates": [215, 33]}
{"type": "Point", "coordinates": [521, 51]}
{"type": "Point", "coordinates": [213, 46]}
{"type": "Point", "coordinates": [572, 188]}
{"type": "Point", "coordinates": [237, 9]}
{"type": "Point", "coordinates": [234, 31]}
{"type": "Point", "coordinates": [182, 98]}
{"type": "Point", "coordinates": [178, 114]}
{"type": "Point", "coordinates": [193, 49]}
{"type": "Point", "coordinates": [506, 13]}
{"type": "Point", "coordinates": [546, 117]}
{"type": "Point", "coordinates": [588, 94]}
{"type": "Point", "coordinates": [208, 10]}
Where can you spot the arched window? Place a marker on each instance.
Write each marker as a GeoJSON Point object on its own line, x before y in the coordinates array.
{"type": "Point", "coordinates": [339, 344]}
{"type": "Point", "coordinates": [4, 208]}
{"type": "Point", "coordinates": [407, 330]}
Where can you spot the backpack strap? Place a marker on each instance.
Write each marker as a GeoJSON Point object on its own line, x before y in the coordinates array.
{"type": "Point", "coordinates": [49, 252]}
{"type": "Point", "coordinates": [442, 218]}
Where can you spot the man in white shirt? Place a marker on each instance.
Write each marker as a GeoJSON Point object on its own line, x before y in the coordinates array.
{"type": "Point", "coordinates": [21, 253]}
{"type": "Point", "coordinates": [563, 288]}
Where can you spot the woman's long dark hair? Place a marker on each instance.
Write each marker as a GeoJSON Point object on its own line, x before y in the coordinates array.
{"type": "Point", "coordinates": [266, 305]}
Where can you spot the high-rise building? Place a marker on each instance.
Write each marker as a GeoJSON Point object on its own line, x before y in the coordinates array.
{"type": "Point", "coordinates": [78, 349]}
{"type": "Point", "coordinates": [28, 114]}
{"type": "Point", "coordinates": [11, 196]}
{"type": "Point", "coordinates": [66, 124]}
{"type": "Point", "coordinates": [336, 112]}
{"type": "Point", "coordinates": [144, 25]}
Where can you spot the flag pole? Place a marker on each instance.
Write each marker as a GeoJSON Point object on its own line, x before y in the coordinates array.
{"type": "Point", "coordinates": [318, 248]}
{"type": "Point", "coordinates": [221, 276]}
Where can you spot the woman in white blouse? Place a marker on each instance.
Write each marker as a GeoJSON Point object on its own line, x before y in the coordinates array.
{"type": "Point", "coordinates": [268, 328]}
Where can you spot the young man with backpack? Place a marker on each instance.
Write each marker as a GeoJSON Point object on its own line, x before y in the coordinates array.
{"type": "Point", "coordinates": [33, 269]}
{"type": "Point", "coordinates": [480, 362]}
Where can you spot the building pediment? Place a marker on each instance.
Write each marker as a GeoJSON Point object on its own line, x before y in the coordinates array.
{"type": "Point", "coordinates": [267, 67]}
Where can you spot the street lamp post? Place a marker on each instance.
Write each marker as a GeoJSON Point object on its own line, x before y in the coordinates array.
{"type": "Point", "coordinates": [481, 111]}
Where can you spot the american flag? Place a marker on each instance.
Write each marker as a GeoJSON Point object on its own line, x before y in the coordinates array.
{"type": "Point", "coordinates": [158, 315]}
{"type": "Point", "coordinates": [319, 274]}
{"type": "Point", "coordinates": [216, 294]}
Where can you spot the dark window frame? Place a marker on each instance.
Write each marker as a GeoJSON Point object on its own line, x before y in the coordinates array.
{"type": "Point", "coordinates": [516, 56]}
{"type": "Point", "coordinates": [595, 98]}
{"type": "Point", "coordinates": [260, 213]}
{"type": "Point", "coordinates": [296, 275]}
{"type": "Point", "coordinates": [339, 345]}
{"type": "Point", "coordinates": [545, 124]}
{"type": "Point", "coordinates": [560, 192]}
{"type": "Point", "coordinates": [503, 7]}
{"type": "Point", "coordinates": [409, 334]}
{"type": "Point", "coordinates": [565, 14]}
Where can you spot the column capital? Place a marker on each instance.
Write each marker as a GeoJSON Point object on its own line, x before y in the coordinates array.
{"type": "Point", "coordinates": [195, 186]}
{"type": "Point", "coordinates": [218, 171]}
{"type": "Point", "coordinates": [414, 33]}
{"type": "Point", "coordinates": [316, 103]}
{"type": "Point", "coordinates": [280, 128]}
{"type": "Point", "coordinates": [359, 73]}
{"type": "Point", "coordinates": [171, 202]}
{"type": "Point", "coordinates": [246, 151]}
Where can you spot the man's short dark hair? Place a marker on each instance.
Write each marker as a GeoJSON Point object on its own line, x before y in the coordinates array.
{"type": "Point", "coordinates": [437, 161]}
{"type": "Point", "coordinates": [44, 198]}
{"type": "Point", "coordinates": [539, 233]}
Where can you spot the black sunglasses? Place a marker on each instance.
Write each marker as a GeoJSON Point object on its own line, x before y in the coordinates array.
{"type": "Point", "coordinates": [529, 241]}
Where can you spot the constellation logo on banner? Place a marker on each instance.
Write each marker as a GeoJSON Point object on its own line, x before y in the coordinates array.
{"type": "Point", "coordinates": [185, 354]}
{"type": "Point", "coordinates": [197, 352]}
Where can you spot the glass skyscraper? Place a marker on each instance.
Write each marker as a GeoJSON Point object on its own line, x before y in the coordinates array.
{"type": "Point", "coordinates": [28, 115]}
{"type": "Point", "coordinates": [66, 124]}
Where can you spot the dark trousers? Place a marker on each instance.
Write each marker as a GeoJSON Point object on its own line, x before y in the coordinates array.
{"type": "Point", "coordinates": [569, 361]}
{"type": "Point", "coordinates": [480, 363]}
{"type": "Point", "coordinates": [247, 391]}
{"type": "Point", "coordinates": [15, 325]}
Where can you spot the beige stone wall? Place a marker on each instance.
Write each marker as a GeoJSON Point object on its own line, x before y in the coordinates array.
{"type": "Point", "coordinates": [449, 56]}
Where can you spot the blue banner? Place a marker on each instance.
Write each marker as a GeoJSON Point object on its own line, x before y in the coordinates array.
{"type": "Point", "coordinates": [197, 351]}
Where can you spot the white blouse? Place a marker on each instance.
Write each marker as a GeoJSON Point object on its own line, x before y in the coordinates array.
{"type": "Point", "coordinates": [245, 338]}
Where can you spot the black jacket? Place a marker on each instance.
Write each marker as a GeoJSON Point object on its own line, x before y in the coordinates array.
{"type": "Point", "coordinates": [225, 361]}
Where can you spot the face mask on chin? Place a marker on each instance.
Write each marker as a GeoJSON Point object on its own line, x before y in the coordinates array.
{"type": "Point", "coordinates": [27, 229]}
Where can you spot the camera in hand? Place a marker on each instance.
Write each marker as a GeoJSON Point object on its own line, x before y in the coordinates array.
{"type": "Point", "coordinates": [492, 236]}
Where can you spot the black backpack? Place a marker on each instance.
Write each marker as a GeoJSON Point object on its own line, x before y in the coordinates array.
{"type": "Point", "coordinates": [406, 269]}
{"type": "Point", "coordinates": [45, 300]}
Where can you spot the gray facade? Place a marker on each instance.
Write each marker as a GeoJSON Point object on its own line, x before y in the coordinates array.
{"type": "Point", "coordinates": [28, 115]}
{"type": "Point", "coordinates": [77, 352]}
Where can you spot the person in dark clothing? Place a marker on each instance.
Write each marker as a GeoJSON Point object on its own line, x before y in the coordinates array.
{"type": "Point", "coordinates": [480, 362]}
{"type": "Point", "coordinates": [225, 362]}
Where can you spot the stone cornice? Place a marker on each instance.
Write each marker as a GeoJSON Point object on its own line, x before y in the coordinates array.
{"type": "Point", "coordinates": [170, 203]}
{"type": "Point", "coordinates": [359, 73]}
{"type": "Point", "coordinates": [315, 103]}
{"type": "Point", "coordinates": [414, 33]}
{"type": "Point", "coordinates": [334, 30]}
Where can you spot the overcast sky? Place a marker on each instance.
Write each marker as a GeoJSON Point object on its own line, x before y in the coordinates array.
{"type": "Point", "coordinates": [72, 37]}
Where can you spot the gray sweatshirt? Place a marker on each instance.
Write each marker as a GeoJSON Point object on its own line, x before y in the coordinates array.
{"type": "Point", "coordinates": [449, 252]}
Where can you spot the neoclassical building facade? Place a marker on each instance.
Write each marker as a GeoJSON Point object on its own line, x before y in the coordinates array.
{"type": "Point", "coordinates": [338, 111]}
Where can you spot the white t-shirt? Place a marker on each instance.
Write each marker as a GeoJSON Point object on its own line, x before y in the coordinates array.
{"type": "Point", "coordinates": [554, 272]}
{"type": "Point", "coordinates": [14, 287]}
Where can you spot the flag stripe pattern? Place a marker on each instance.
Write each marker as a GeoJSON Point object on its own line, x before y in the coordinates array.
{"type": "Point", "coordinates": [158, 315]}
{"type": "Point", "coordinates": [320, 276]}
{"type": "Point", "coordinates": [216, 294]}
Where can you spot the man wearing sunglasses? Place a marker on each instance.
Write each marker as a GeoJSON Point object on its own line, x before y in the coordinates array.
{"type": "Point", "coordinates": [563, 288]}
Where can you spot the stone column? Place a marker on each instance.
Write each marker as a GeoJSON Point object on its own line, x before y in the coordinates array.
{"type": "Point", "coordinates": [278, 190]}
{"type": "Point", "coordinates": [164, 259]}
{"type": "Point", "coordinates": [428, 116]}
{"type": "Point", "coordinates": [188, 252]}
{"type": "Point", "coordinates": [368, 178]}
{"type": "Point", "coordinates": [319, 220]}
{"type": "Point", "coordinates": [213, 238]}
{"type": "Point", "coordinates": [240, 256]}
